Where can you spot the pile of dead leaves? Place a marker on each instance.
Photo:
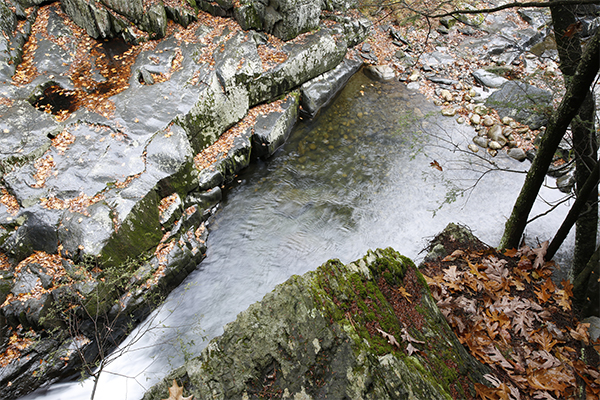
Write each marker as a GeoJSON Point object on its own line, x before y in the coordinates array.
{"type": "Point", "coordinates": [507, 311]}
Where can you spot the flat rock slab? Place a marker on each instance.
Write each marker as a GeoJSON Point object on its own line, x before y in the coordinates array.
{"type": "Point", "coordinates": [319, 91]}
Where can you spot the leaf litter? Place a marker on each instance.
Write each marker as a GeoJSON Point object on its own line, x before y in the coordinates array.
{"type": "Point", "coordinates": [507, 311]}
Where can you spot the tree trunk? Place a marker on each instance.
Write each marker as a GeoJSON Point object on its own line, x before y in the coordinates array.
{"type": "Point", "coordinates": [568, 108]}
{"type": "Point", "coordinates": [584, 134]}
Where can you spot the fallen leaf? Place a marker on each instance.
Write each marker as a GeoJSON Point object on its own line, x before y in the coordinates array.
{"type": "Point", "coordinates": [176, 392]}
{"type": "Point", "coordinates": [540, 252]}
{"type": "Point", "coordinates": [581, 332]}
{"type": "Point", "coordinates": [573, 29]}
{"type": "Point", "coordinates": [436, 165]}
{"type": "Point", "coordinates": [390, 338]}
{"type": "Point", "coordinates": [404, 293]}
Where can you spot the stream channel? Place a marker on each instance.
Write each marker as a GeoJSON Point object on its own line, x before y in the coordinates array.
{"type": "Point", "coordinates": [357, 177]}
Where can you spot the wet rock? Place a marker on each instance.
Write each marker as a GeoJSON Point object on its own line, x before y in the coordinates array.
{"type": "Point", "coordinates": [413, 86]}
{"type": "Point", "coordinates": [443, 30]}
{"type": "Point", "coordinates": [98, 22]}
{"type": "Point", "coordinates": [441, 80]}
{"type": "Point", "coordinates": [319, 53]}
{"type": "Point", "coordinates": [525, 103]}
{"type": "Point", "coordinates": [448, 22]}
{"type": "Point", "coordinates": [300, 327]}
{"type": "Point", "coordinates": [181, 13]}
{"type": "Point", "coordinates": [397, 36]}
{"type": "Point", "coordinates": [589, 26]}
{"type": "Point", "coordinates": [204, 200]}
{"type": "Point", "coordinates": [446, 95]}
{"type": "Point", "coordinates": [566, 182]}
{"type": "Point", "coordinates": [272, 130]}
{"type": "Point", "coordinates": [24, 133]}
{"type": "Point", "coordinates": [494, 145]}
{"type": "Point", "coordinates": [356, 31]}
{"type": "Point", "coordinates": [467, 31]}
{"type": "Point", "coordinates": [473, 148]}
{"type": "Point", "coordinates": [488, 121]}
{"type": "Point", "coordinates": [537, 18]}
{"type": "Point", "coordinates": [448, 112]}
{"type": "Point", "coordinates": [8, 20]}
{"type": "Point", "coordinates": [437, 58]}
{"type": "Point", "coordinates": [36, 233]}
{"type": "Point", "coordinates": [13, 40]}
{"type": "Point", "coordinates": [495, 133]}
{"type": "Point", "coordinates": [284, 19]}
{"type": "Point", "coordinates": [481, 141]}
{"type": "Point", "coordinates": [488, 79]}
{"type": "Point", "coordinates": [381, 72]}
{"type": "Point", "coordinates": [317, 92]}
{"type": "Point", "coordinates": [507, 120]}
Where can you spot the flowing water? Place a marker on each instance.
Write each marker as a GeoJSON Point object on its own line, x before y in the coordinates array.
{"type": "Point", "coordinates": [355, 178]}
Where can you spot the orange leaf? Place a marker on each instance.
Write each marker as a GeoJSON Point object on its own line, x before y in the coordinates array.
{"type": "Point", "coordinates": [567, 287]}
{"type": "Point", "coordinates": [404, 293]}
{"type": "Point", "coordinates": [510, 252]}
{"type": "Point", "coordinates": [436, 165]}
{"type": "Point", "coordinates": [581, 332]}
{"type": "Point", "coordinates": [455, 254]}
{"type": "Point", "coordinates": [573, 29]}
{"type": "Point", "coordinates": [545, 339]}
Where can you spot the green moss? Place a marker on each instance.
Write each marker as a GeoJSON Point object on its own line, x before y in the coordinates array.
{"type": "Point", "coordinates": [138, 233]}
{"type": "Point", "coordinates": [365, 306]}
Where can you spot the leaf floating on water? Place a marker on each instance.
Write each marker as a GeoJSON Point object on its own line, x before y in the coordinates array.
{"type": "Point", "coordinates": [176, 392]}
{"type": "Point", "coordinates": [436, 165]}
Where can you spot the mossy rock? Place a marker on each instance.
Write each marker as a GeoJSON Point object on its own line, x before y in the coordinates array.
{"type": "Point", "coordinates": [368, 329]}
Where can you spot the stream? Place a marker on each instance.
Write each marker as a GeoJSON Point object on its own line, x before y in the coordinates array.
{"type": "Point", "coordinates": [357, 177]}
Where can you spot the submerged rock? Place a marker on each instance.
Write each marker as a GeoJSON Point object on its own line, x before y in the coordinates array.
{"type": "Point", "coordinates": [342, 331]}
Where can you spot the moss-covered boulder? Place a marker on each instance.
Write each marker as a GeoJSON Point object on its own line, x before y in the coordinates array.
{"type": "Point", "coordinates": [365, 330]}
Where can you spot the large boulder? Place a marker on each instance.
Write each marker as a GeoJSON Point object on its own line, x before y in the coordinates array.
{"type": "Point", "coordinates": [524, 103]}
{"type": "Point", "coordinates": [368, 329]}
{"type": "Point", "coordinates": [112, 18]}
{"type": "Point", "coordinates": [284, 19]}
